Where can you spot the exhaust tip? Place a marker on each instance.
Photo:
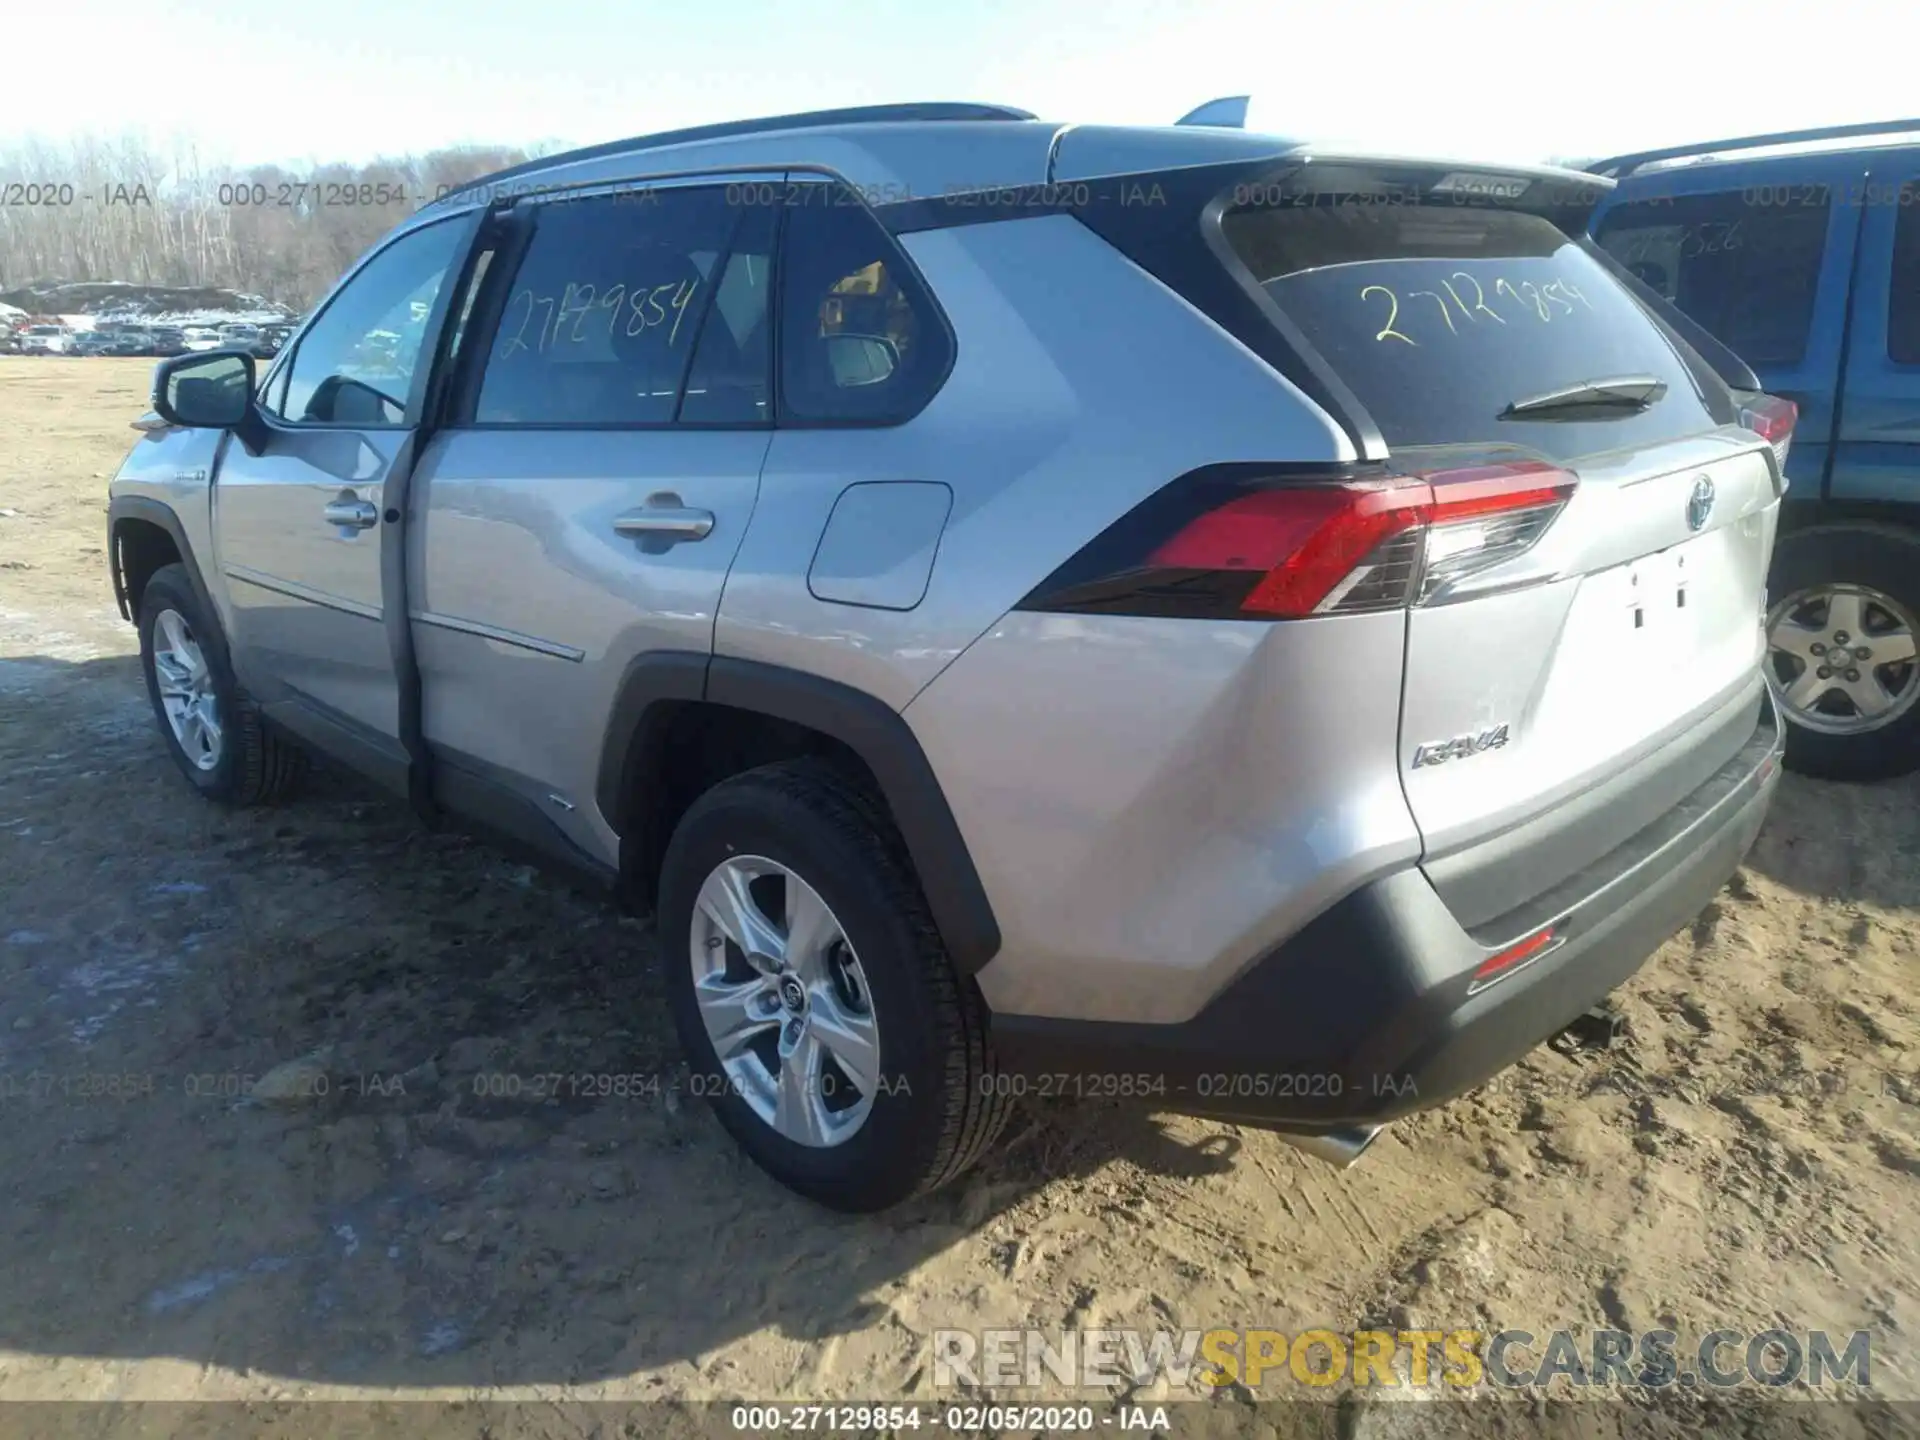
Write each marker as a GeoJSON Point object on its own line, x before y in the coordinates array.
{"type": "Point", "coordinates": [1339, 1148]}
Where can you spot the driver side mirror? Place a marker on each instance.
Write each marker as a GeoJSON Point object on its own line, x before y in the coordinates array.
{"type": "Point", "coordinates": [210, 390]}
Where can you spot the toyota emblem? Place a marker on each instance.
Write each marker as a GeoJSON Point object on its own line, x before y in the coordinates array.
{"type": "Point", "coordinates": [1700, 503]}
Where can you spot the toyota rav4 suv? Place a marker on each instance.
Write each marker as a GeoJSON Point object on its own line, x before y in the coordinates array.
{"type": "Point", "coordinates": [1163, 614]}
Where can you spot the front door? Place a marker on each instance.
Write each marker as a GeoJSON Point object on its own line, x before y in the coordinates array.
{"type": "Point", "coordinates": [582, 504]}
{"type": "Point", "coordinates": [298, 527]}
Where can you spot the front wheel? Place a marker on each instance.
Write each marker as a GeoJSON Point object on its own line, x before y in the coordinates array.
{"type": "Point", "coordinates": [211, 728]}
{"type": "Point", "coordinates": [1841, 649]}
{"type": "Point", "coordinates": [819, 1010]}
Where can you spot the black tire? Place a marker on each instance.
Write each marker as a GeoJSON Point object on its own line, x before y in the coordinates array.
{"type": "Point", "coordinates": [939, 1108]}
{"type": "Point", "coordinates": [1881, 557]}
{"type": "Point", "coordinates": [257, 766]}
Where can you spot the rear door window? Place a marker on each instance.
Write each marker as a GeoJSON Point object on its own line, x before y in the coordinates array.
{"type": "Point", "coordinates": [1440, 317]}
{"type": "Point", "coordinates": [730, 382]}
{"type": "Point", "coordinates": [603, 315]}
{"type": "Point", "coordinates": [1745, 263]}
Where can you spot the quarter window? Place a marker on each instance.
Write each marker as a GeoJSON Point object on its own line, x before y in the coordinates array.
{"type": "Point", "coordinates": [1745, 264]}
{"type": "Point", "coordinates": [356, 361]}
{"type": "Point", "coordinates": [607, 309]}
{"type": "Point", "coordinates": [860, 340]}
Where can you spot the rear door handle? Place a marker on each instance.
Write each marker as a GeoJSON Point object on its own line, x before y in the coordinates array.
{"type": "Point", "coordinates": [671, 523]}
{"type": "Point", "coordinates": [350, 514]}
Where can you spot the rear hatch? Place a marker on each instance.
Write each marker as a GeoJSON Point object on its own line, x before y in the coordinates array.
{"type": "Point", "coordinates": [1603, 608]}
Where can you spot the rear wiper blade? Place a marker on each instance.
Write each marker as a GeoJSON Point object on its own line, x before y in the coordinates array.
{"type": "Point", "coordinates": [1625, 392]}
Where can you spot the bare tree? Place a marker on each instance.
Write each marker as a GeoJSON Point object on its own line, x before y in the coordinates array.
{"type": "Point", "coordinates": [118, 211]}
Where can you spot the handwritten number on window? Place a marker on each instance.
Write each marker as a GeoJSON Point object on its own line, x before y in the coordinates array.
{"type": "Point", "coordinates": [1434, 296]}
{"type": "Point", "coordinates": [1393, 314]}
{"type": "Point", "coordinates": [1479, 296]}
{"type": "Point", "coordinates": [1555, 297]}
{"type": "Point", "coordinates": [577, 301]}
{"type": "Point", "coordinates": [565, 320]}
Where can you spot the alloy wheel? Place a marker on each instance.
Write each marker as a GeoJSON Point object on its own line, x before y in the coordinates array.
{"type": "Point", "coordinates": [784, 1001]}
{"type": "Point", "coordinates": [186, 690]}
{"type": "Point", "coordinates": [1842, 658]}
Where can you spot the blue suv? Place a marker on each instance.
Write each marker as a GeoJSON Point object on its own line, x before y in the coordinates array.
{"type": "Point", "coordinates": [1800, 251]}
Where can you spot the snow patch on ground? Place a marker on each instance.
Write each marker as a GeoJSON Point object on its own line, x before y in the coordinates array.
{"type": "Point", "coordinates": [107, 986]}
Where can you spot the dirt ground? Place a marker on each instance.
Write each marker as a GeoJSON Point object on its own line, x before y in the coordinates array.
{"type": "Point", "coordinates": [1748, 1156]}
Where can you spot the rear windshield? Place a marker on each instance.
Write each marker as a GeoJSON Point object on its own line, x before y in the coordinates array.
{"type": "Point", "coordinates": [1440, 316]}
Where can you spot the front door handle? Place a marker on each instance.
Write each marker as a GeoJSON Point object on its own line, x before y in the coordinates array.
{"type": "Point", "coordinates": [350, 514]}
{"type": "Point", "coordinates": [665, 522]}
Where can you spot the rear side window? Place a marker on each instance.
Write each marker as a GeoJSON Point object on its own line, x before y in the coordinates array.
{"type": "Point", "coordinates": [1903, 306]}
{"type": "Point", "coordinates": [1745, 264]}
{"type": "Point", "coordinates": [860, 339]}
{"type": "Point", "coordinates": [603, 315]}
{"type": "Point", "coordinates": [1440, 317]}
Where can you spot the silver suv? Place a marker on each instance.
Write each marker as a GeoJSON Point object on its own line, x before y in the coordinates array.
{"type": "Point", "coordinates": [1161, 614]}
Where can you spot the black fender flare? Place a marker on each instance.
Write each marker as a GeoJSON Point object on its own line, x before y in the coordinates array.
{"type": "Point", "coordinates": [153, 512]}
{"type": "Point", "coordinates": [864, 723]}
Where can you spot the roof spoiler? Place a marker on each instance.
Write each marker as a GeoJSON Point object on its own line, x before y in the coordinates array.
{"type": "Point", "coordinates": [1229, 113]}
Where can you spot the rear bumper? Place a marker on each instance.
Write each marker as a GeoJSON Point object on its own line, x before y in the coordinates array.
{"type": "Point", "coordinates": [1365, 1015]}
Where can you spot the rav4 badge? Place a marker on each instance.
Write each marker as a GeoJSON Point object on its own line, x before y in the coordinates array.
{"type": "Point", "coordinates": [1461, 747]}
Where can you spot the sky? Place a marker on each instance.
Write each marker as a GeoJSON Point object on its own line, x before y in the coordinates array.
{"type": "Point", "coordinates": [260, 81]}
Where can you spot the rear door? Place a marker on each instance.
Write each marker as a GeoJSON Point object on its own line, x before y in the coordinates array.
{"type": "Point", "coordinates": [1547, 649]}
{"type": "Point", "coordinates": [1760, 255]}
{"type": "Point", "coordinates": [582, 505]}
{"type": "Point", "coordinates": [1878, 453]}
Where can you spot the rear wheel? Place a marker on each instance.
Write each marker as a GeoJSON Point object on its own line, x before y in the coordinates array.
{"type": "Point", "coordinates": [817, 1006]}
{"type": "Point", "coordinates": [1841, 650]}
{"type": "Point", "coordinates": [211, 727]}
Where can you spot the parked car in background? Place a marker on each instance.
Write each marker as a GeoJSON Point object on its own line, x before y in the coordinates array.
{"type": "Point", "coordinates": [46, 340]}
{"type": "Point", "coordinates": [1803, 256]}
{"type": "Point", "coordinates": [9, 340]}
{"type": "Point", "coordinates": [165, 340]}
{"type": "Point", "coordinates": [1288, 700]}
{"type": "Point", "coordinates": [250, 338]}
{"type": "Point", "coordinates": [201, 337]}
{"type": "Point", "coordinates": [95, 342]}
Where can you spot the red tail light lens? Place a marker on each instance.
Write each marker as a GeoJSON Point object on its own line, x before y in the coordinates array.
{"type": "Point", "coordinates": [1515, 957]}
{"type": "Point", "coordinates": [1261, 546]}
{"type": "Point", "coordinates": [1303, 542]}
{"type": "Point", "coordinates": [1772, 419]}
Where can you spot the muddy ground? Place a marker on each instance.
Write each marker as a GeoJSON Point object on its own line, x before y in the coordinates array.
{"type": "Point", "coordinates": [1748, 1156]}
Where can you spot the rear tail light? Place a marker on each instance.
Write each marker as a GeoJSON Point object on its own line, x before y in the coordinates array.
{"type": "Point", "coordinates": [1772, 419]}
{"type": "Point", "coordinates": [1239, 542]}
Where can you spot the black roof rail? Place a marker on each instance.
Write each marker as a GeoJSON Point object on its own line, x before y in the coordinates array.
{"type": "Point", "coordinates": [806, 119]}
{"type": "Point", "coordinates": [1623, 165]}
